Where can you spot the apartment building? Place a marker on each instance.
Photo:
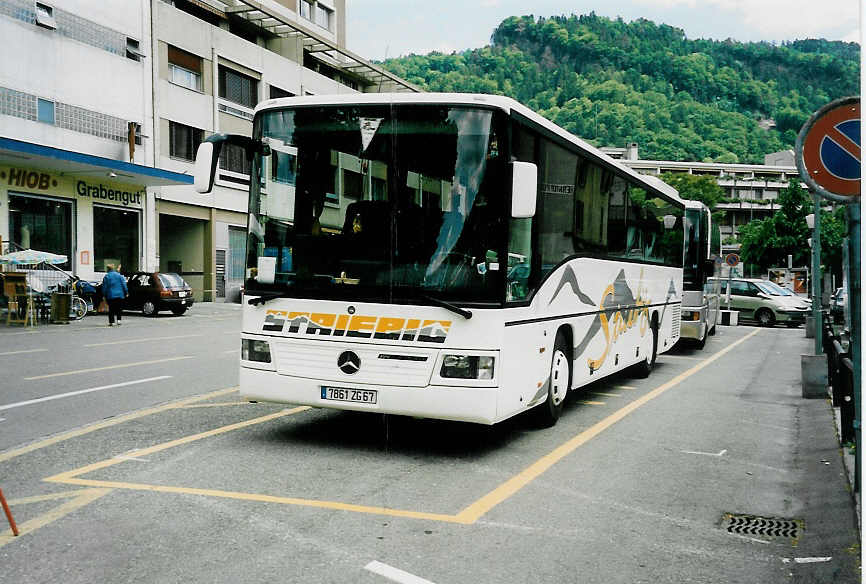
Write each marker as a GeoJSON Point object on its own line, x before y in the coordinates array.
{"type": "Point", "coordinates": [103, 105]}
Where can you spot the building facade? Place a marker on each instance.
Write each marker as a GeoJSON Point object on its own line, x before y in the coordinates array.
{"type": "Point", "coordinates": [103, 105]}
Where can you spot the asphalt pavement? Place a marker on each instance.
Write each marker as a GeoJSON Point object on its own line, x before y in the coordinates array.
{"type": "Point", "coordinates": [713, 469]}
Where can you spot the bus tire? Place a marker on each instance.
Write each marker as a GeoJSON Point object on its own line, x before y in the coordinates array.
{"type": "Point", "coordinates": [558, 383]}
{"type": "Point", "coordinates": [643, 369]}
{"type": "Point", "coordinates": [712, 331]}
{"type": "Point", "coordinates": [702, 342]}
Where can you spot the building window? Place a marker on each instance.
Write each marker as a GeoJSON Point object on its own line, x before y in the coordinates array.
{"type": "Point", "coordinates": [276, 92]}
{"type": "Point", "coordinates": [237, 87]}
{"type": "Point", "coordinates": [116, 241]}
{"type": "Point", "coordinates": [183, 141]}
{"type": "Point", "coordinates": [307, 9]}
{"type": "Point", "coordinates": [45, 111]}
{"type": "Point", "coordinates": [234, 159]}
{"type": "Point", "coordinates": [324, 16]}
{"type": "Point", "coordinates": [184, 69]}
{"type": "Point", "coordinates": [133, 50]}
{"type": "Point", "coordinates": [42, 223]}
{"type": "Point", "coordinates": [45, 16]}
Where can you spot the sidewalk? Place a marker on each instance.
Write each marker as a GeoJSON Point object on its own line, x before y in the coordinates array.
{"type": "Point", "coordinates": [826, 485]}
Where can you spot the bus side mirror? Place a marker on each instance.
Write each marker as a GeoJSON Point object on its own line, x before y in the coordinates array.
{"type": "Point", "coordinates": [524, 189]}
{"type": "Point", "coordinates": [206, 158]}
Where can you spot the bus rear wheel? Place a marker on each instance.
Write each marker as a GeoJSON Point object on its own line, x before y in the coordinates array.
{"type": "Point", "coordinates": [558, 384]}
{"type": "Point", "coordinates": [643, 369]}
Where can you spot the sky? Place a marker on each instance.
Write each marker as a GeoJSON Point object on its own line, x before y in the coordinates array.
{"type": "Point", "coordinates": [378, 29]}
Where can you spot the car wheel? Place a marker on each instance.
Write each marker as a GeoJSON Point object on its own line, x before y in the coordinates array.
{"type": "Point", "coordinates": [148, 308]}
{"type": "Point", "coordinates": [765, 317]}
{"type": "Point", "coordinates": [178, 310]}
{"type": "Point", "coordinates": [558, 384]}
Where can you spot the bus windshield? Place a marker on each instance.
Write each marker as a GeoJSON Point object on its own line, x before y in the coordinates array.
{"type": "Point", "coordinates": [389, 203]}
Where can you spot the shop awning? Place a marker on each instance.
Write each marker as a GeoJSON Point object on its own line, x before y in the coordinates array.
{"type": "Point", "coordinates": [18, 153]}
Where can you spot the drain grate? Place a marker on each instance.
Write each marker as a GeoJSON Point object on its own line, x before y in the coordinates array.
{"type": "Point", "coordinates": [768, 527]}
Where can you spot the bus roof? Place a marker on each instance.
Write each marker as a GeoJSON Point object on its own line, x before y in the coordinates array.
{"type": "Point", "coordinates": [500, 102]}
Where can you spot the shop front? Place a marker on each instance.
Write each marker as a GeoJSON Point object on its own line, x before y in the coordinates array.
{"type": "Point", "coordinates": [95, 211]}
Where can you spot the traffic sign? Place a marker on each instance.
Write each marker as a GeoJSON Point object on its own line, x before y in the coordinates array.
{"type": "Point", "coordinates": [828, 150]}
{"type": "Point", "coordinates": [732, 259]}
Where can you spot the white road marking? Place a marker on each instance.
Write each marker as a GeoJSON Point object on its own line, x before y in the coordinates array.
{"type": "Point", "coordinates": [812, 560]}
{"type": "Point", "coordinates": [140, 340]}
{"type": "Point", "coordinates": [720, 454]}
{"type": "Point", "coordinates": [394, 574]}
{"type": "Point", "coordinates": [80, 391]}
{"type": "Point", "coordinates": [130, 456]}
{"type": "Point", "coordinates": [107, 367]}
{"type": "Point", "coordinates": [22, 352]}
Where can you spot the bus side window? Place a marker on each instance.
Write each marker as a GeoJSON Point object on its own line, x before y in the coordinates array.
{"type": "Point", "coordinates": [520, 254]}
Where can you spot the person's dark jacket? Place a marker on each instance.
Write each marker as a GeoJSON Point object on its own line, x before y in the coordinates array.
{"type": "Point", "coordinates": [114, 286]}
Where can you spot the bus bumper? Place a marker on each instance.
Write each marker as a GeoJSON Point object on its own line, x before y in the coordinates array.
{"type": "Point", "coordinates": [462, 404]}
{"type": "Point", "coordinates": [693, 329]}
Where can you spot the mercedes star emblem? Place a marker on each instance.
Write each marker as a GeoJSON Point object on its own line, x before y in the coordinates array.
{"type": "Point", "coordinates": [348, 362]}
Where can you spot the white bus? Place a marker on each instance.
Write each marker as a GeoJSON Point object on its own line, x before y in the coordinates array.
{"type": "Point", "coordinates": [701, 269]}
{"type": "Point", "coordinates": [446, 256]}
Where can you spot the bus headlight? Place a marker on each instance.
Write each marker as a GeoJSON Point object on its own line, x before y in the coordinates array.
{"type": "Point", "coordinates": [253, 350]}
{"type": "Point", "coordinates": [467, 367]}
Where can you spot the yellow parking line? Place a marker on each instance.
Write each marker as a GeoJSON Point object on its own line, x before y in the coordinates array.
{"type": "Point", "coordinates": [605, 394]}
{"type": "Point", "coordinates": [335, 505]}
{"type": "Point", "coordinates": [112, 422]}
{"type": "Point", "coordinates": [624, 387]}
{"type": "Point", "coordinates": [107, 367]}
{"type": "Point", "coordinates": [48, 497]}
{"type": "Point", "coordinates": [64, 476]}
{"type": "Point", "coordinates": [590, 402]}
{"type": "Point", "coordinates": [217, 405]}
{"type": "Point", "coordinates": [476, 510]}
{"type": "Point", "coordinates": [85, 497]}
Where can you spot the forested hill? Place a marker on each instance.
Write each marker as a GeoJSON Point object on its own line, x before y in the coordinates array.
{"type": "Point", "coordinates": [613, 82]}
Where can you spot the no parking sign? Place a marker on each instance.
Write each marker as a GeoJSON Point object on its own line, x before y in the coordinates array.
{"type": "Point", "coordinates": [828, 150]}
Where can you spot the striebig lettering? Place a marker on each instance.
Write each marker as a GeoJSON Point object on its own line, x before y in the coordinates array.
{"type": "Point", "coordinates": [357, 326]}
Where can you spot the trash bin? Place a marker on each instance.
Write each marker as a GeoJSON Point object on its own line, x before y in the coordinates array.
{"type": "Point", "coordinates": [60, 306]}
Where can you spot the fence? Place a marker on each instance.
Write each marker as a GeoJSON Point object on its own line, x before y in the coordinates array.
{"type": "Point", "coordinates": [840, 377]}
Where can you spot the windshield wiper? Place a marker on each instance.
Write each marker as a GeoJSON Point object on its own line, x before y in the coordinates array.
{"type": "Point", "coordinates": [263, 297]}
{"type": "Point", "coordinates": [453, 308]}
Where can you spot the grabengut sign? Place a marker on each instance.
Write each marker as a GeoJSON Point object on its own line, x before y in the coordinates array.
{"type": "Point", "coordinates": [357, 326]}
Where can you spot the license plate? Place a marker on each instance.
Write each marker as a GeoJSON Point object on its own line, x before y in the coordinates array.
{"type": "Point", "coordinates": [361, 396]}
{"type": "Point", "coordinates": [181, 294]}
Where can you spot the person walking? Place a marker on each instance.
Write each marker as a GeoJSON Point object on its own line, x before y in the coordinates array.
{"type": "Point", "coordinates": [114, 291]}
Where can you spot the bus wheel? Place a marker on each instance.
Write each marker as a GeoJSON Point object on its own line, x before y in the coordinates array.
{"type": "Point", "coordinates": [643, 369]}
{"type": "Point", "coordinates": [703, 342]}
{"type": "Point", "coordinates": [557, 384]}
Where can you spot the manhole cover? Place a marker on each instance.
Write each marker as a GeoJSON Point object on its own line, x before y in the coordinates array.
{"type": "Point", "coordinates": [764, 527]}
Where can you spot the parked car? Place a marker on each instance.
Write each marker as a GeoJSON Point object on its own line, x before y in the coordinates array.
{"type": "Point", "coordinates": [754, 299]}
{"type": "Point", "coordinates": [838, 302]}
{"type": "Point", "coordinates": [152, 292]}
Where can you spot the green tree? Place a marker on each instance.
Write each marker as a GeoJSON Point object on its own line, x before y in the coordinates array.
{"type": "Point", "coordinates": [695, 187]}
{"type": "Point", "coordinates": [767, 242]}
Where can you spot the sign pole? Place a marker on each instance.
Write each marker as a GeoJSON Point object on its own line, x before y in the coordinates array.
{"type": "Point", "coordinates": [816, 278]}
{"type": "Point", "coordinates": [855, 348]}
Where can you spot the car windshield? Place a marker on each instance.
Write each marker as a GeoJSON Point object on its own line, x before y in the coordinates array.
{"type": "Point", "coordinates": [766, 289]}
{"type": "Point", "coordinates": [382, 203]}
{"type": "Point", "coordinates": [776, 289]}
{"type": "Point", "coordinates": [170, 280]}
